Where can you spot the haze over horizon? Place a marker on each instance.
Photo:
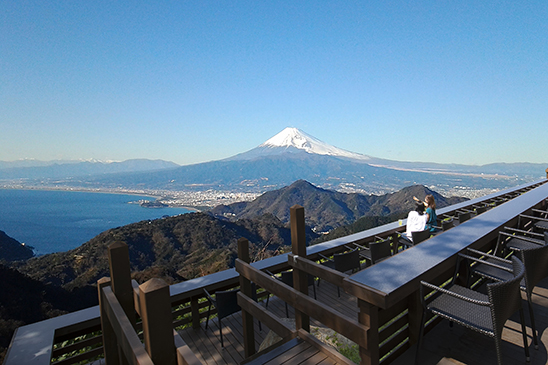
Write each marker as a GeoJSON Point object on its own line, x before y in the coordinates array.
{"type": "Point", "coordinates": [192, 82]}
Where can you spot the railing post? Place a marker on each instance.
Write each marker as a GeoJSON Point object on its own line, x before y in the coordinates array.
{"type": "Point", "coordinates": [414, 305]}
{"type": "Point", "coordinates": [110, 347]}
{"type": "Point", "coordinates": [120, 276]}
{"type": "Point", "coordinates": [245, 287]}
{"type": "Point", "coordinates": [369, 316]}
{"type": "Point", "coordinates": [298, 247]}
{"type": "Point", "coordinates": [157, 319]}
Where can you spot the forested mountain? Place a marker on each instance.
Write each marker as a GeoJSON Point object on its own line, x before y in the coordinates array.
{"type": "Point", "coordinates": [326, 209]}
{"type": "Point", "coordinates": [12, 250]}
{"type": "Point", "coordinates": [173, 248]}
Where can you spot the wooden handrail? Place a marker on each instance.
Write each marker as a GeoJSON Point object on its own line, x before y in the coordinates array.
{"type": "Point", "coordinates": [127, 338]}
{"type": "Point", "coordinates": [270, 320]}
{"type": "Point", "coordinates": [335, 320]}
{"type": "Point", "coordinates": [318, 270]}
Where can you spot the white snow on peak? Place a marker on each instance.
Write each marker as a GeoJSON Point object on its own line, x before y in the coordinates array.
{"type": "Point", "coordinates": [294, 137]}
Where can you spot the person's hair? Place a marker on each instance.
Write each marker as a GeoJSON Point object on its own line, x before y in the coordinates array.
{"type": "Point", "coordinates": [420, 208]}
{"type": "Point", "coordinates": [431, 202]}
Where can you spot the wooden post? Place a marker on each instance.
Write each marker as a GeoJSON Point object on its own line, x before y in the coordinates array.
{"type": "Point", "coordinates": [414, 305]}
{"type": "Point", "coordinates": [110, 347]}
{"type": "Point", "coordinates": [245, 288]}
{"type": "Point", "coordinates": [369, 316]}
{"type": "Point", "coordinates": [298, 247]}
{"type": "Point", "coordinates": [157, 319]}
{"type": "Point", "coordinates": [120, 274]}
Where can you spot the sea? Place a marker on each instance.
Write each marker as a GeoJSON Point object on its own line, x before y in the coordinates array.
{"type": "Point", "coordinates": [57, 221]}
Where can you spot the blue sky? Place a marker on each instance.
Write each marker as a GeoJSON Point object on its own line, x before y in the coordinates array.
{"type": "Point", "coordinates": [193, 81]}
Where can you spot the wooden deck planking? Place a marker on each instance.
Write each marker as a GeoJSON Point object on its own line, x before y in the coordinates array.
{"type": "Point", "coordinates": [441, 345]}
{"type": "Point", "coordinates": [207, 344]}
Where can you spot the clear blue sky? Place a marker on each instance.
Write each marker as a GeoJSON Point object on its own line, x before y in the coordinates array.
{"type": "Point", "coordinates": [193, 81]}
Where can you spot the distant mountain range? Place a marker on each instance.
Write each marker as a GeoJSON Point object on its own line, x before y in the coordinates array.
{"type": "Point", "coordinates": [289, 156]}
{"type": "Point", "coordinates": [65, 169]}
{"type": "Point", "coordinates": [326, 209]}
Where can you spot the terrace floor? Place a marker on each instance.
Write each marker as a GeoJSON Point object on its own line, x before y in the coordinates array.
{"type": "Point", "coordinates": [207, 344]}
{"type": "Point", "coordinates": [443, 345]}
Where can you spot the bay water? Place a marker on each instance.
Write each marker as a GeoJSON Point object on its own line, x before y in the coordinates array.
{"type": "Point", "coordinates": [56, 221]}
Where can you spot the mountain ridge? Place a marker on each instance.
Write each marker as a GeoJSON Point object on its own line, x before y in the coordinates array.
{"type": "Point", "coordinates": [326, 209]}
{"type": "Point", "coordinates": [288, 156]}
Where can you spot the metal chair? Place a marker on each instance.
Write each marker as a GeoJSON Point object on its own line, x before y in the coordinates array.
{"type": "Point", "coordinates": [464, 216]}
{"type": "Point", "coordinates": [226, 303]}
{"type": "Point", "coordinates": [287, 278]}
{"type": "Point", "coordinates": [343, 262]}
{"type": "Point", "coordinates": [377, 251]}
{"type": "Point", "coordinates": [447, 224]}
{"type": "Point", "coordinates": [416, 238]}
{"type": "Point", "coordinates": [535, 261]}
{"type": "Point", "coordinates": [516, 239]}
{"type": "Point", "coordinates": [539, 223]}
{"type": "Point", "coordinates": [484, 313]}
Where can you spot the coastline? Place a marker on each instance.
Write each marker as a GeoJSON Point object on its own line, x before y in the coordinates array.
{"type": "Point", "coordinates": [140, 193]}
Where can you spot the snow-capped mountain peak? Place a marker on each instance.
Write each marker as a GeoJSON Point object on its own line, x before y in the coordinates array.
{"type": "Point", "coordinates": [294, 137]}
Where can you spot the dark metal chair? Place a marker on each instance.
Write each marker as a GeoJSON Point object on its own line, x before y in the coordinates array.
{"type": "Point", "coordinates": [377, 251]}
{"type": "Point", "coordinates": [226, 303]}
{"type": "Point", "coordinates": [516, 239]}
{"type": "Point", "coordinates": [484, 313]}
{"type": "Point", "coordinates": [540, 223]}
{"type": "Point", "coordinates": [463, 216]}
{"type": "Point", "coordinates": [416, 238]}
{"type": "Point", "coordinates": [287, 278]}
{"type": "Point", "coordinates": [343, 262]}
{"type": "Point", "coordinates": [447, 224]}
{"type": "Point", "coordinates": [535, 261]}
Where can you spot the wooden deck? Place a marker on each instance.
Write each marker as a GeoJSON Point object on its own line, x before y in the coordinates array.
{"type": "Point", "coordinates": [207, 344]}
{"type": "Point", "coordinates": [443, 345]}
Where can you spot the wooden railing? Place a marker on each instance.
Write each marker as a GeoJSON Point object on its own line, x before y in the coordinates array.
{"type": "Point", "coordinates": [121, 301]}
{"type": "Point", "coordinates": [187, 300]}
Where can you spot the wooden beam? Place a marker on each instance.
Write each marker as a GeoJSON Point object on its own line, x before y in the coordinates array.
{"type": "Point", "coordinates": [317, 270]}
{"type": "Point", "coordinates": [110, 345]}
{"type": "Point", "coordinates": [298, 247]}
{"type": "Point", "coordinates": [245, 288]}
{"type": "Point", "coordinates": [335, 320]}
{"type": "Point", "coordinates": [126, 337]}
{"type": "Point", "coordinates": [266, 317]}
{"type": "Point", "coordinates": [157, 321]}
{"type": "Point", "coordinates": [120, 276]}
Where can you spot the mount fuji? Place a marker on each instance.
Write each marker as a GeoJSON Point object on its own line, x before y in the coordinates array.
{"type": "Point", "coordinates": [293, 140]}
{"type": "Point", "coordinates": [289, 156]}
{"type": "Point", "coordinates": [293, 155]}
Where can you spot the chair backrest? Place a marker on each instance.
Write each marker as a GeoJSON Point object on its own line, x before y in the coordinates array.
{"type": "Point", "coordinates": [420, 236]}
{"type": "Point", "coordinates": [481, 209]}
{"type": "Point", "coordinates": [347, 261]}
{"type": "Point", "coordinates": [505, 297]}
{"type": "Point", "coordinates": [379, 250]}
{"type": "Point", "coordinates": [464, 216]}
{"type": "Point", "coordinates": [446, 224]}
{"type": "Point", "coordinates": [287, 278]}
{"type": "Point", "coordinates": [227, 302]}
{"type": "Point", "coordinates": [535, 261]}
